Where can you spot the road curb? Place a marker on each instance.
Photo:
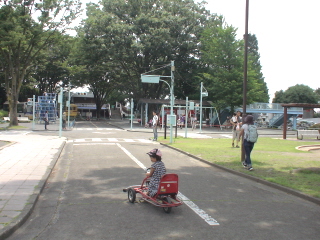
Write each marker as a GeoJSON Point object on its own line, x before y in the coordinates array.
{"type": "Point", "coordinates": [270, 184]}
{"type": "Point", "coordinates": [27, 210]}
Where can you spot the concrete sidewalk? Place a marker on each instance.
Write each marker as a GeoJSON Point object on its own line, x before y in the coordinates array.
{"type": "Point", "coordinates": [25, 165]}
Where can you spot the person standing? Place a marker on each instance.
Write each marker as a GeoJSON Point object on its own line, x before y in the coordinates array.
{"type": "Point", "coordinates": [64, 121]}
{"type": "Point", "coordinates": [248, 146]}
{"type": "Point", "coordinates": [236, 128]}
{"type": "Point", "coordinates": [154, 126]}
{"type": "Point", "coordinates": [46, 120]}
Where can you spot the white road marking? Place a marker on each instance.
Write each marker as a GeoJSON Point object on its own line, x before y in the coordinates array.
{"type": "Point", "coordinates": [197, 210]}
{"type": "Point", "coordinates": [201, 213]}
{"type": "Point", "coordinates": [225, 135]}
{"type": "Point", "coordinates": [140, 164]}
{"type": "Point", "coordinates": [81, 144]}
{"type": "Point", "coordinates": [98, 129]}
{"type": "Point", "coordinates": [91, 140]}
{"type": "Point", "coordinates": [96, 139]}
{"type": "Point", "coordinates": [113, 140]}
{"type": "Point", "coordinates": [79, 140]}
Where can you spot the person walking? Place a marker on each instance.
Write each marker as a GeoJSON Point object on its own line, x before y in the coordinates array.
{"type": "Point", "coordinates": [236, 128]}
{"type": "Point", "coordinates": [248, 145]}
{"type": "Point", "coordinates": [154, 126]}
{"type": "Point", "coordinates": [46, 120]}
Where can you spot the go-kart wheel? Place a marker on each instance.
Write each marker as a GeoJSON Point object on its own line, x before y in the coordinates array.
{"type": "Point", "coordinates": [131, 195]}
{"type": "Point", "coordinates": [167, 209]}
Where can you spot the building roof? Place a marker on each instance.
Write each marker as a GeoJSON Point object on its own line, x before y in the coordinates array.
{"type": "Point", "coordinates": [303, 105]}
{"type": "Point", "coordinates": [176, 102]}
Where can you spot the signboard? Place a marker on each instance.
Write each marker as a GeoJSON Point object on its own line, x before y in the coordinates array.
{"type": "Point", "coordinates": [150, 78]}
{"type": "Point", "coordinates": [191, 105]}
{"type": "Point", "coordinates": [172, 119]}
{"type": "Point", "coordinates": [30, 101]}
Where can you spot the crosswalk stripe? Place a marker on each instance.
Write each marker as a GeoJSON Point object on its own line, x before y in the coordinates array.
{"type": "Point", "coordinates": [92, 140]}
{"type": "Point", "coordinates": [113, 140]}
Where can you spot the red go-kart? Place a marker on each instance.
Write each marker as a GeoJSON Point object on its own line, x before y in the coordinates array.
{"type": "Point", "coordinates": [166, 197]}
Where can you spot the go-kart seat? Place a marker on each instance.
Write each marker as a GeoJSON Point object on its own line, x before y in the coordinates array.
{"type": "Point", "coordinates": [168, 184]}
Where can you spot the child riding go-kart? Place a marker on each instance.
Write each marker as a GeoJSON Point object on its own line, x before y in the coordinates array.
{"type": "Point", "coordinates": [157, 188]}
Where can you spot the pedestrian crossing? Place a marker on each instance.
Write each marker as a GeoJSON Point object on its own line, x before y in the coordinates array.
{"type": "Point", "coordinates": [111, 140]}
{"type": "Point", "coordinates": [96, 129]}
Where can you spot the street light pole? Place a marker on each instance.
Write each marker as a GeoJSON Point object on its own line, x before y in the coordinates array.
{"type": "Point", "coordinates": [172, 100]}
{"type": "Point", "coordinates": [69, 107]}
{"type": "Point", "coordinates": [201, 106]}
{"type": "Point", "coordinates": [245, 73]}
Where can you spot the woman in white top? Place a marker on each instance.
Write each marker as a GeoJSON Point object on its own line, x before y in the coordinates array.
{"type": "Point", "coordinates": [248, 146]}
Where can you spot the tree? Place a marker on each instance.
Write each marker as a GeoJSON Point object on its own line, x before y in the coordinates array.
{"type": "Point", "coordinates": [23, 36]}
{"type": "Point", "coordinates": [223, 77]}
{"type": "Point", "coordinates": [279, 97]}
{"type": "Point", "coordinates": [257, 87]}
{"type": "Point", "coordinates": [136, 37]}
{"type": "Point", "coordinates": [297, 94]}
{"type": "Point", "coordinates": [223, 54]}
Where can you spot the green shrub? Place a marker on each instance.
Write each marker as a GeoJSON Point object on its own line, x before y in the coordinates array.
{"type": "Point", "coordinates": [317, 125]}
{"type": "Point", "coordinates": [3, 113]}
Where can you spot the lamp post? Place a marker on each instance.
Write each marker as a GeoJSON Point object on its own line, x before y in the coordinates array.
{"type": "Point", "coordinates": [202, 94]}
{"type": "Point", "coordinates": [156, 79]}
{"type": "Point", "coordinates": [245, 73]}
{"type": "Point", "coordinates": [69, 106]}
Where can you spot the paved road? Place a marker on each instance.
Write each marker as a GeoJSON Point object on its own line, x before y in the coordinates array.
{"type": "Point", "coordinates": [83, 197]}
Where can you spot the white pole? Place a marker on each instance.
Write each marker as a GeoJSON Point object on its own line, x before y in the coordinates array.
{"type": "Point", "coordinates": [186, 119]}
{"type": "Point", "coordinates": [69, 108]}
{"type": "Point", "coordinates": [131, 105]}
{"type": "Point", "coordinates": [172, 100]}
{"type": "Point", "coordinates": [201, 106]}
{"type": "Point", "coordinates": [60, 122]}
{"type": "Point", "coordinates": [33, 111]}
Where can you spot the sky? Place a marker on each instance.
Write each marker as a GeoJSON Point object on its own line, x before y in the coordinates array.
{"type": "Point", "coordinates": [288, 38]}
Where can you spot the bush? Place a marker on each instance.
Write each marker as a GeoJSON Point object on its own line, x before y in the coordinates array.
{"type": "Point", "coordinates": [3, 113]}
{"type": "Point", "coordinates": [317, 125]}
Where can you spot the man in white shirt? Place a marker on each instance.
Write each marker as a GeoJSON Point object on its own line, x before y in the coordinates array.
{"type": "Point", "coordinates": [154, 125]}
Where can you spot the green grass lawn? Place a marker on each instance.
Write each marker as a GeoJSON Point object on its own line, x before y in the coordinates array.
{"type": "Point", "coordinates": [275, 160]}
{"type": "Point", "coordinates": [11, 128]}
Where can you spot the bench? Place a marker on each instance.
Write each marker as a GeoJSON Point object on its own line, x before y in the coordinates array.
{"type": "Point", "coordinates": [23, 119]}
{"type": "Point", "coordinates": [20, 119]}
{"type": "Point", "coordinates": [308, 134]}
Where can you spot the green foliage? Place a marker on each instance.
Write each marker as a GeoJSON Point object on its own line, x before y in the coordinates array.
{"type": "Point", "coordinates": [134, 37]}
{"type": "Point", "coordinates": [26, 28]}
{"type": "Point", "coordinates": [3, 114]}
{"type": "Point", "coordinates": [317, 125]}
{"type": "Point", "coordinates": [224, 75]}
{"type": "Point", "coordinates": [27, 92]}
{"type": "Point", "coordinates": [296, 94]}
{"type": "Point", "coordinates": [3, 96]}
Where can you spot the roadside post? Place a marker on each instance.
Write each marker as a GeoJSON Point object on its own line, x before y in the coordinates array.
{"type": "Point", "coordinates": [156, 79]}
{"type": "Point", "coordinates": [33, 111]}
{"type": "Point", "coordinates": [131, 117]}
{"type": "Point", "coordinates": [186, 119]}
{"type": "Point", "coordinates": [68, 104]}
{"type": "Point", "coordinates": [60, 117]}
{"type": "Point", "coordinates": [202, 94]}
